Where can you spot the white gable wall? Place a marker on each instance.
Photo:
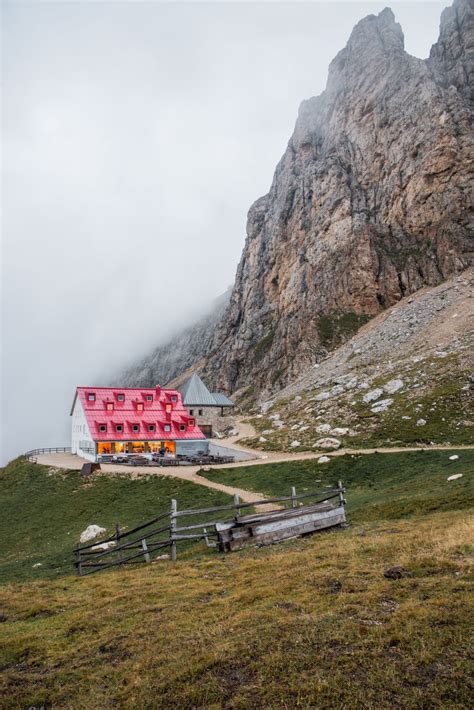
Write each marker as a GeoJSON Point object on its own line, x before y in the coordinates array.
{"type": "Point", "coordinates": [82, 443]}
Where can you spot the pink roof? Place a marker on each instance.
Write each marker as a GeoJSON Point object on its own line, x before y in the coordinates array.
{"type": "Point", "coordinates": [135, 409]}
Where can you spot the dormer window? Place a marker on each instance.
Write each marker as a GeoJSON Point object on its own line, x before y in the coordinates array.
{"type": "Point", "coordinates": [151, 427]}
{"type": "Point", "coordinates": [168, 408]}
{"type": "Point", "coordinates": [174, 398]}
{"type": "Point", "coordinates": [91, 396]}
{"type": "Point", "coordinates": [167, 427]}
{"type": "Point", "coordinates": [119, 428]}
{"type": "Point", "coordinates": [135, 427]}
{"type": "Point", "coordinates": [191, 421]}
{"type": "Point", "coordinates": [149, 398]}
{"type": "Point", "coordinates": [102, 428]}
{"type": "Point", "coordinates": [182, 427]}
{"type": "Point", "coordinates": [109, 406]}
{"type": "Point", "coordinates": [120, 398]}
{"type": "Point", "coordinates": [139, 406]}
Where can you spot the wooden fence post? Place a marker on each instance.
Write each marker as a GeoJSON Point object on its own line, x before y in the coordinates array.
{"type": "Point", "coordinates": [117, 540]}
{"type": "Point", "coordinates": [174, 508]}
{"type": "Point", "coordinates": [236, 503]}
{"type": "Point", "coordinates": [341, 493]}
{"type": "Point", "coordinates": [294, 502]}
{"type": "Point", "coordinates": [78, 560]}
{"type": "Point", "coordinates": [146, 554]}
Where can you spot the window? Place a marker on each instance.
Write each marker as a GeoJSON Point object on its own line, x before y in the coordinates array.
{"type": "Point", "coordinates": [135, 427]}
{"type": "Point", "coordinates": [191, 411]}
{"type": "Point", "coordinates": [167, 427]}
{"type": "Point", "coordinates": [91, 397]}
{"type": "Point", "coordinates": [199, 412]}
{"type": "Point", "coordinates": [149, 398]}
{"type": "Point", "coordinates": [174, 398]}
{"type": "Point", "coordinates": [168, 408]}
{"type": "Point", "coordinates": [120, 398]}
{"type": "Point", "coordinates": [109, 406]}
{"type": "Point", "coordinates": [182, 427]}
{"type": "Point", "coordinates": [192, 422]}
{"type": "Point", "coordinates": [139, 406]}
{"type": "Point", "coordinates": [151, 427]}
{"type": "Point", "coordinates": [102, 428]}
{"type": "Point", "coordinates": [119, 428]}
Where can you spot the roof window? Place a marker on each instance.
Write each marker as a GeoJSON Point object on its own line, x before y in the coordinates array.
{"type": "Point", "coordinates": [135, 427]}
{"type": "Point", "coordinates": [174, 398]}
{"type": "Point", "coordinates": [119, 428]}
{"type": "Point", "coordinates": [102, 428]}
{"type": "Point", "coordinates": [167, 427]}
{"type": "Point", "coordinates": [109, 406]}
{"type": "Point", "coordinates": [91, 396]}
{"type": "Point", "coordinates": [191, 421]}
{"type": "Point", "coordinates": [151, 427]}
{"type": "Point", "coordinates": [182, 427]}
{"type": "Point", "coordinates": [120, 397]}
{"type": "Point", "coordinates": [139, 406]}
{"type": "Point", "coordinates": [149, 398]}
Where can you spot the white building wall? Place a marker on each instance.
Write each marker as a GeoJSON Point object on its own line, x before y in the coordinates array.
{"type": "Point", "coordinates": [80, 436]}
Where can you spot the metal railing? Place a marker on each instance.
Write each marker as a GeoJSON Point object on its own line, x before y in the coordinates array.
{"type": "Point", "coordinates": [31, 455]}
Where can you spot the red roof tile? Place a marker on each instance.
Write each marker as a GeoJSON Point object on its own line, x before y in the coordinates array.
{"type": "Point", "coordinates": [127, 414]}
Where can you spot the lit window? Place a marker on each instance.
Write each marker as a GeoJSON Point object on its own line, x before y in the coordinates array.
{"type": "Point", "coordinates": [121, 398]}
{"type": "Point", "coordinates": [119, 428]}
{"type": "Point", "coordinates": [167, 427]}
{"type": "Point", "coordinates": [151, 427]}
{"type": "Point", "coordinates": [110, 406]}
{"type": "Point", "coordinates": [102, 428]}
{"type": "Point", "coordinates": [192, 422]}
{"type": "Point", "coordinates": [168, 407]}
{"type": "Point", "coordinates": [149, 398]}
{"type": "Point", "coordinates": [199, 412]}
{"type": "Point", "coordinates": [182, 427]}
{"type": "Point", "coordinates": [139, 406]}
{"type": "Point", "coordinates": [135, 427]}
{"type": "Point", "coordinates": [91, 397]}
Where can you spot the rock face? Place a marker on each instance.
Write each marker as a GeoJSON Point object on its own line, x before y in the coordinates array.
{"type": "Point", "coordinates": [369, 203]}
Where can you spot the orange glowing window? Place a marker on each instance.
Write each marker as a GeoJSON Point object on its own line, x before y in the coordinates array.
{"type": "Point", "coordinates": [168, 407]}
{"type": "Point", "coordinates": [109, 406]}
{"type": "Point", "coordinates": [139, 406]}
{"type": "Point", "coordinates": [192, 421]}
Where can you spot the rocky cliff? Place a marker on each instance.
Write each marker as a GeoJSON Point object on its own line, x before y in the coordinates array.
{"type": "Point", "coordinates": [370, 202]}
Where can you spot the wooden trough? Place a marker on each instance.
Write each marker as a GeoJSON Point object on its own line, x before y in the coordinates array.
{"type": "Point", "coordinates": [268, 528]}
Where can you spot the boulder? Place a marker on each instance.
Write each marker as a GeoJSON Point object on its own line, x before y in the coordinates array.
{"type": "Point", "coordinates": [91, 532]}
{"type": "Point", "coordinates": [295, 443]}
{"type": "Point", "coordinates": [381, 406]}
{"type": "Point", "coordinates": [323, 459]}
{"type": "Point", "coordinates": [328, 442]}
{"type": "Point", "coordinates": [454, 477]}
{"type": "Point", "coordinates": [393, 386]}
{"type": "Point", "coordinates": [323, 428]}
{"type": "Point", "coordinates": [372, 395]}
{"type": "Point", "coordinates": [421, 422]}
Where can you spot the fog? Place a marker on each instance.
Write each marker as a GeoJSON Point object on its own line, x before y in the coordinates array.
{"type": "Point", "coordinates": [135, 136]}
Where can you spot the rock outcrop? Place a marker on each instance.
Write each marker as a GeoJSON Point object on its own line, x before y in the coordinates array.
{"type": "Point", "coordinates": [370, 202]}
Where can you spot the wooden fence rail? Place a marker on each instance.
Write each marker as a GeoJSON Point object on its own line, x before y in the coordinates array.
{"type": "Point", "coordinates": [145, 539]}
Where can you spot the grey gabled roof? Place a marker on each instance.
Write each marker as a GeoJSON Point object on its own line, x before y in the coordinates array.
{"type": "Point", "coordinates": [194, 393]}
{"type": "Point", "coordinates": [222, 400]}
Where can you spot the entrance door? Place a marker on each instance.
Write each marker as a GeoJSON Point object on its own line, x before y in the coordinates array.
{"type": "Point", "coordinates": [206, 430]}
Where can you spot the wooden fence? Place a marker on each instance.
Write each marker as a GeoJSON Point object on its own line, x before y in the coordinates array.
{"type": "Point", "coordinates": [167, 531]}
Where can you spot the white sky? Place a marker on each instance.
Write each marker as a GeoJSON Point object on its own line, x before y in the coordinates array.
{"type": "Point", "coordinates": [135, 137]}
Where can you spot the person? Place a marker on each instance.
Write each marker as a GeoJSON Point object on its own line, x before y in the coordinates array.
{"type": "Point", "coordinates": [162, 450]}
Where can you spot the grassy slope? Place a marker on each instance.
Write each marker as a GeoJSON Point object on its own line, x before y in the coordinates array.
{"type": "Point", "coordinates": [309, 623]}
{"type": "Point", "coordinates": [45, 510]}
